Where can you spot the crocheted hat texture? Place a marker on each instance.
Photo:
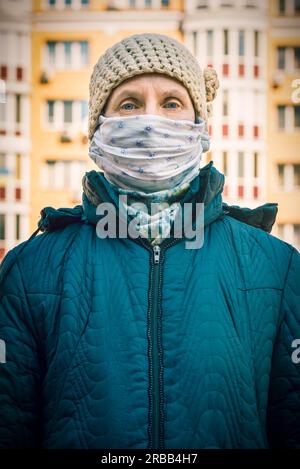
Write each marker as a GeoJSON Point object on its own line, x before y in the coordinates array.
{"type": "Point", "coordinates": [150, 53]}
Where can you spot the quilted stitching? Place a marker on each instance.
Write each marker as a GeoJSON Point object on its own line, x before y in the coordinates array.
{"type": "Point", "coordinates": [73, 313]}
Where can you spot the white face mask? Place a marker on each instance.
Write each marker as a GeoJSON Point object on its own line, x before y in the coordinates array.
{"type": "Point", "coordinates": [149, 153]}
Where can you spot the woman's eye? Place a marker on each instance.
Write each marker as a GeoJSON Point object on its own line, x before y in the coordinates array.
{"type": "Point", "coordinates": [172, 104]}
{"type": "Point", "coordinates": [127, 106]}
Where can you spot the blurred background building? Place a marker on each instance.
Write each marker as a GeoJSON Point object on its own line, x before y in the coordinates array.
{"type": "Point", "coordinates": [15, 124]}
{"type": "Point", "coordinates": [283, 118]}
{"type": "Point", "coordinates": [48, 50]}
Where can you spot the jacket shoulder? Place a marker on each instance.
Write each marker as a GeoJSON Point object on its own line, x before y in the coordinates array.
{"type": "Point", "coordinates": [264, 257]}
{"type": "Point", "coordinates": [39, 259]}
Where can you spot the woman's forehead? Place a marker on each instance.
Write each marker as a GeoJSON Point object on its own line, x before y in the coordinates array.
{"type": "Point", "coordinates": [162, 82]}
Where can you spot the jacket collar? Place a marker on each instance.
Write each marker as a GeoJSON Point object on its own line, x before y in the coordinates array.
{"type": "Point", "coordinates": [207, 187]}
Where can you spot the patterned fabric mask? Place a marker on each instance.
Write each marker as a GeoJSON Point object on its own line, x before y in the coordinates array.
{"type": "Point", "coordinates": [150, 158]}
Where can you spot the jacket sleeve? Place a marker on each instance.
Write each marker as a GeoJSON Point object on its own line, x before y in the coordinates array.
{"type": "Point", "coordinates": [19, 364]}
{"type": "Point", "coordinates": [283, 413]}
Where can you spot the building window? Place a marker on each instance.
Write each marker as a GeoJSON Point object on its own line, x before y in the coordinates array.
{"type": "Point", "coordinates": [297, 6]}
{"type": "Point", "coordinates": [84, 109]}
{"type": "Point", "coordinates": [225, 103]}
{"type": "Point", "coordinates": [3, 113]}
{"type": "Point", "coordinates": [18, 166]}
{"type": "Point", "coordinates": [255, 131]}
{"type": "Point", "coordinates": [165, 3]}
{"type": "Point", "coordinates": [280, 230]}
{"type": "Point", "coordinates": [132, 3]}
{"type": "Point", "coordinates": [281, 117]}
{"type": "Point", "coordinates": [202, 4]}
{"type": "Point", "coordinates": [251, 4]}
{"type": "Point", "coordinates": [18, 226]}
{"type": "Point", "coordinates": [225, 130]}
{"type": "Point", "coordinates": [281, 58]}
{"type": "Point", "coordinates": [50, 107]}
{"type": "Point", "coordinates": [18, 108]}
{"type": "Point", "coordinates": [225, 70]}
{"type": "Point", "coordinates": [67, 53]}
{"type": "Point", "coordinates": [51, 46]}
{"type": "Point", "coordinates": [290, 233]}
{"type": "Point", "coordinates": [19, 73]}
{"type": "Point", "coordinates": [18, 193]}
{"type": "Point", "coordinates": [290, 55]}
{"type": "Point", "coordinates": [241, 43]}
{"type": "Point", "coordinates": [84, 3]}
{"type": "Point", "coordinates": [256, 43]}
{"type": "Point", "coordinates": [148, 3]}
{"type": "Point", "coordinates": [225, 41]}
{"type": "Point", "coordinates": [209, 42]}
{"type": "Point", "coordinates": [3, 72]}
{"type": "Point", "coordinates": [255, 192]}
{"type": "Point", "coordinates": [241, 70]}
{"type": "Point", "coordinates": [2, 226]}
{"type": "Point", "coordinates": [241, 130]}
{"type": "Point", "coordinates": [3, 169]}
{"type": "Point", "coordinates": [288, 176]}
{"type": "Point", "coordinates": [62, 174]}
{"type": "Point", "coordinates": [297, 235]}
{"type": "Point", "coordinates": [51, 3]}
{"type": "Point", "coordinates": [240, 164]}
{"type": "Point", "coordinates": [280, 175]}
{"type": "Point", "coordinates": [297, 57]}
{"type": "Point", "coordinates": [241, 191]}
{"type": "Point", "coordinates": [195, 47]}
{"type": "Point", "coordinates": [297, 117]}
{"type": "Point", "coordinates": [255, 163]}
{"type": "Point", "coordinates": [225, 162]}
{"type": "Point", "coordinates": [84, 53]}
{"type": "Point", "coordinates": [69, 57]}
{"type": "Point", "coordinates": [68, 114]}
{"type": "Point", "coordinates": [296, 168]}
{"type": "Point", "coordinates": [281, 7]}
{"type": "Point", "coordinates": [50, 181]}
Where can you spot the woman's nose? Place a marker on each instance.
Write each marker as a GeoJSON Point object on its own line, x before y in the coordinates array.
{"type": "Point", "coordinates": [152, 107]}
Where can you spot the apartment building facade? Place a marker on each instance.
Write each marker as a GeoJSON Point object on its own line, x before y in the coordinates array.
{"type": "Point", "coordinates": [49, 56]}
{"type": "Point", "coordinates": [15, 112]}
{"type": "Point", "coordinates": [230, 36]}
{"type": "Point", "coordinates": [283, 137]}
{"type": "Point", "coordinates": [68, 37]}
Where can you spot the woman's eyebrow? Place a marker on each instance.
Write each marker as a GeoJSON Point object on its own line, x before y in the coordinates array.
{"type": "Point", "coordinates": [129, 93]}
{"type": "Point", "coordinates": [133, 93]}
{"type": "Point", "coordinates": [173, 93]}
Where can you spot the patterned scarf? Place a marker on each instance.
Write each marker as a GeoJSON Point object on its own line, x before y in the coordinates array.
{"type": "Point", "coordinates": [152, 160]}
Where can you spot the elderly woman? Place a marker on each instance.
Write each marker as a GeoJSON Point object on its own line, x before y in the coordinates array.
{"type": "Point", "coordinates": [120, 330]}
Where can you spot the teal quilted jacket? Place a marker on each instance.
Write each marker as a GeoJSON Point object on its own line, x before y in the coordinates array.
{"type": "Point", "coordinates": [112, 344]}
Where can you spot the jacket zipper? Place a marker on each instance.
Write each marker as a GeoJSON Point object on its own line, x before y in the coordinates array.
{"type": "Point", "coordinates": [156, 413]}
{"type": "Point", "coordinates": [155, 348]}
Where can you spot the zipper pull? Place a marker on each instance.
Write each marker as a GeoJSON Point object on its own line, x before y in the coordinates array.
{"type": "Point", "coordinates": [156, 252]}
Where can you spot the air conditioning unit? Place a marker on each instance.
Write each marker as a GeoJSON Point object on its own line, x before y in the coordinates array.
{"type": "Point", "coordinates": [67, 136]}
{"type": "Point", "coordinates": [113, 6]}
{"type": "Point", "coordinates": [277, 80]}
{"type": "Point", "coordinates": [46, 76]}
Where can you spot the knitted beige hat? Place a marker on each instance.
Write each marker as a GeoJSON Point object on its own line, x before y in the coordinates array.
{"type": "Point", "coordinates": [150, 53]}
